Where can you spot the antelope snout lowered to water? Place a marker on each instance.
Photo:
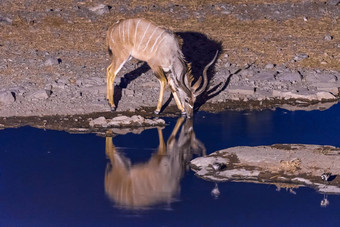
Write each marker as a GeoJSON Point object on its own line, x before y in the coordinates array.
{"type": "Point", "coordinates": [160, 48]}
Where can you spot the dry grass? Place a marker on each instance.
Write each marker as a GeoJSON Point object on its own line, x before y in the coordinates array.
{"type": "Point", "coordinates": [263, 41]}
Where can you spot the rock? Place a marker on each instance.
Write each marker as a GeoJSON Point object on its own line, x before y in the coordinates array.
{"type": "Point", "coordinates": [241, 90]}
{"type": "Point", "coordinates": [100, 121]}
{"type": "Point", "coordinates": [264, 76]}
{"type": "Point", "coordinates": [292, 76]}
{"type": "Point", "coordinates": [5, 20]}
{"type": "Point", "coordinates": [6, 97]}
{"type": "Point", "coordinates": [114, 124]}
{"type": "Point", "coordinates": [293, 164]}
{"type": "Point", "coordinates": [303, 94]}
{"type": "Point", "coordinates": [328, 37]}
{"type": "Point", "coordinates": [300, 57]}
{"type": "Point", "coordinates": [160, 121]}
{"type": "Point", "coordinates": [100, 9]}
{"type": "Point", "coordinates": [40, 94]}
{"type": "Point", "coordinates": [134, 121]}
{"type": "Point", "coordinates": [137, 120]}
{"type": "Point", "coordinates": [324, 95]}
{"type": "Point", "coordinates": [94, 90]}
{"type": "Point", "coordinates": [120, 118]}
{"type": "Point", "coordinates": [333, 2]}
{"type": "Point", "coordinates": [52, 61]}
{"type": "Point", "coordinates": [269, 66]}
{"type": "Point", "coordinates": [329, 87]}
{"type": "Point", "coordinates": [320, 77]}
{"type": "Point", "coordinates": [247, 73]}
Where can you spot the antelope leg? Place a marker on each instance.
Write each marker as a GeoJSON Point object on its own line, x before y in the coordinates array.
{"type": "Point", "coordinates": [161, 94]}
{"type": "Point", "coordinates": [162, 80]}
{"type": "Point", "coordinates": [174, 93]}
{"type": "Point", "coordinates": [112, 71]}
{"type": "Point", "coordinates": [109, 148]}
{"type": "Point", "coordinates": [162, 147]}
{"type": "Point", "coordinates": [108, 69]}
{"type": "Point", "coordinates": [110, 76]}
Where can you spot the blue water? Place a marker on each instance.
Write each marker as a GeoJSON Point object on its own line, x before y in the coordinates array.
{"type": "Point", "coordinates": [53, 178]}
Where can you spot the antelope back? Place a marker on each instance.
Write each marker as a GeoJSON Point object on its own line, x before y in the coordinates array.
{"type": "Point", "coordinates": [143, 40]}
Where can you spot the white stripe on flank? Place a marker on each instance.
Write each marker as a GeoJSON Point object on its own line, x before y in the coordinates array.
{"type": "Point", "coordinates": [123, 31]}
{"type": "Point", "coordinates": [157, 40]}
{"type": "Point", "coordinates": [119, 30]}
{"type": "Point", "coordinates": [134, 44]}
{"type": "Point", "coordinates": [160, 42]}
{"type": "Point", "coordinates": [128, 31]}
{"type": "Point", "coordinates": [112, 36]}
{"type": "Point", "coordinates": [146, 45]}
{"type": "Point", "coordinates": [143, 36]}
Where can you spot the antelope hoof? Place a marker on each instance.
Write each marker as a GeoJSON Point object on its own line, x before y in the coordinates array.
{"type": "Point", "coordinates": [156, 112]}
{"type": "Point", "coordinates": [112, 108]}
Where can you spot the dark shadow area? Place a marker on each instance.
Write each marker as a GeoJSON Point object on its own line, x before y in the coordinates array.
{"type": "Point", "coordinates": [214, 91]}
{"type": "Point", "coordinates": [332, 177]}
{"type": "Point", "coordinates": [127, 79]}
{"type": "Point", "coordinates": [199, 50]}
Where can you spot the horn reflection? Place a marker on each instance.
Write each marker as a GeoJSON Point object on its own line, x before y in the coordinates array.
{"type": "Point", "coordinates": [156, 181]}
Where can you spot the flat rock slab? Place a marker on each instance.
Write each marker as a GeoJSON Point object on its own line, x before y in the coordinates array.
{"type": "Point", "coordinates": [125, 121]}
{"type": "Point", "coordinates": [294, 165]}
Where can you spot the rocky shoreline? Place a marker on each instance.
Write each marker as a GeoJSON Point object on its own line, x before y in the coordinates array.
{"type": "Point", "coordinates": [287, 166]}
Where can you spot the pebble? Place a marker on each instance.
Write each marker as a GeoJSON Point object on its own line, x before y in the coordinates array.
{"type": "Point", "coordinates": [300, 57]}
{"type": "Point", "coordinates": [52, 61]}
{"type": "Point", "coordinates": [328, 37]}
{"type": "Point", "coordinates": [100, 9]}
{"type": "Point", "coordinates": [269, 66]}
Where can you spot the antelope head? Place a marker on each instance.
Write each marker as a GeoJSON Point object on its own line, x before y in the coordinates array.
{"type": "Point", "coordinates": [191, 91]}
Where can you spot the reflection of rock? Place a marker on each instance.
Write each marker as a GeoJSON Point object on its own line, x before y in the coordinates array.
{"type": "Point", "coordinates": [308, 107]}
{"type": "Point", "coordinates": [291, 165]}
{"type": "Point", "coordinates": [215, 192]}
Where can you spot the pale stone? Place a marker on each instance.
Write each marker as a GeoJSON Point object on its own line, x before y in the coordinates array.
{"type": "Point", "coordinates": [241, 90]}
{"type": "Point", "coordinates": [323, 95]}
{"type": "Point", "coordinates": [40, 94]}
{"type": "Point", "coordinates": [120, 118]}
{"type": "Point", "coordinates": [6, 97]}
{"type": "Point", "coordinates": [100, 121]}
{"type": "Point", "coordinates": [100, 9]}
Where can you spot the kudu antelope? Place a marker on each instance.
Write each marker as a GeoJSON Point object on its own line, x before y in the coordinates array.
{"type": "Point", "coordinates": [160, 48]}
{"type": "Point", "coordinates": [156, 181]}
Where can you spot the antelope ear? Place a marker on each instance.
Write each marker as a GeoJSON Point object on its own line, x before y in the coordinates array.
{"type": "Point", "coordinates": [197, 84]}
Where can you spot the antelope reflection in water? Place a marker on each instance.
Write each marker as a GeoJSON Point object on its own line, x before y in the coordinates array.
{"type": "Point", "coordinates": [156, 181]}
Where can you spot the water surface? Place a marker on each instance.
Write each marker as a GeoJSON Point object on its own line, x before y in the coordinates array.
{"type": "Point", "coordinates": [56, 178]}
